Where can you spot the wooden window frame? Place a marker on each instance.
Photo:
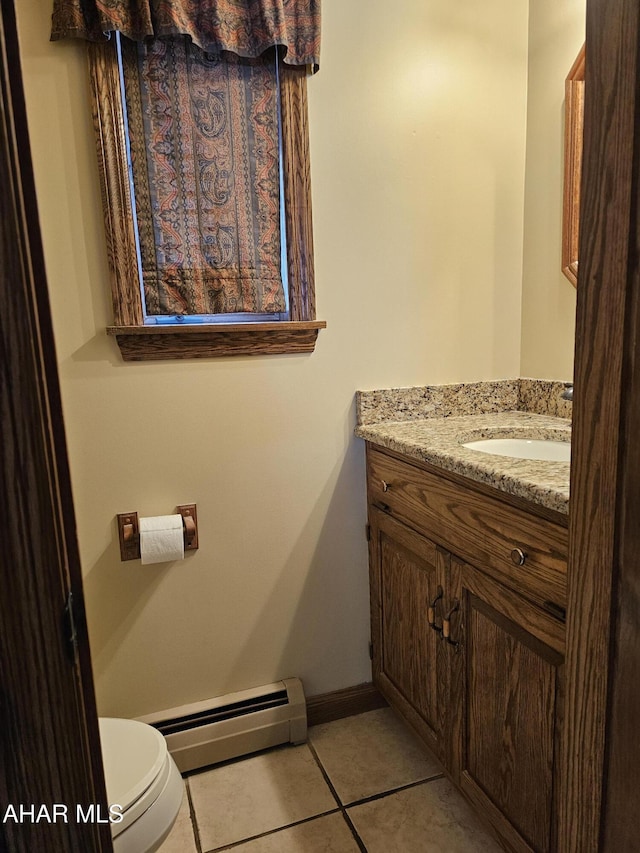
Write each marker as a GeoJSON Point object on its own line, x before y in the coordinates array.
{"type": "Point", "coordinates": [140, 342]}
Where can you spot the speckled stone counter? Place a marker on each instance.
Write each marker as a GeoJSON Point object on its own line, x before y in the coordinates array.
{"type": "Point", "coordinates": [438, 438]}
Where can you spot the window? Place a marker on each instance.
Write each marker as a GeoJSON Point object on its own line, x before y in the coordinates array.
{"type": "Point", "coordinates": [166, 310]}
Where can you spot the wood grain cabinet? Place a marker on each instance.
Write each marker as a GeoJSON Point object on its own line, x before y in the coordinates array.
{"type": "Point", "coordinates": [467, 645]}
{"type": "Point", "coordinates": [408, 577]}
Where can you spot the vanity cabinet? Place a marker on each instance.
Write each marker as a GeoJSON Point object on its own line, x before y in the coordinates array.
{"type": "Point", "coordinates": [509, 682]}
{"type": "Point", "coordinates": [408, 577]}
{"type": "Point", "coordinates": [467, 598]}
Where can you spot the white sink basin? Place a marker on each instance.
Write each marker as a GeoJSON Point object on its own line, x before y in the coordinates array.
{"type": "Point", "coordinates": [524, 448]}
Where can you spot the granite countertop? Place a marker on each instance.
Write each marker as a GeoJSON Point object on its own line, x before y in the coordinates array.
{"type": "Point", "coordinates": [438, 440]}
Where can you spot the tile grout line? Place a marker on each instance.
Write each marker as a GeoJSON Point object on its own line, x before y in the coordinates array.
{"type": "Point", "coordinates": [268, 832]}
{"type": "Point", "coordinates": [354, 831]}
{"type": "Point", "coordinates": [192, 815]}
{"type": "Point", "coordinates": [343, 810]}
{"type": "Point", "coordinates": [373, 797]}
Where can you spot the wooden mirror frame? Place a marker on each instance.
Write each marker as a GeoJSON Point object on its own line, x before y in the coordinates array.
{"type": "Point", "coordinates": [573, 125]}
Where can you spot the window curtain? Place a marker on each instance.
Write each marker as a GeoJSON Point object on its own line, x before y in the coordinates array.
{"type": "Point", "coordinates": [244, 27]}
{"type": "Point", "coordinates": [203, 136]}
{"type": "Point", "coordinates": [201, 92]}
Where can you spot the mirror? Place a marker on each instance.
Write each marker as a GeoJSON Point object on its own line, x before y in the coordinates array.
{"type": "Point", "coordinates": [574, 117]}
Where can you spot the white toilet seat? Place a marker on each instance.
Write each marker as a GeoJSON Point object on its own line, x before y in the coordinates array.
{"type": "Point", "coordinates": [141, 778]}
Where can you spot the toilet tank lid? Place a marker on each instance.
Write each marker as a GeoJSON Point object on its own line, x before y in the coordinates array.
{"type": "Point", "coordinates": [133, 754]}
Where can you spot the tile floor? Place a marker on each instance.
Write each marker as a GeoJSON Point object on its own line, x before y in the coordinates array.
{"type": "Point", "coordinates": [360, 784]}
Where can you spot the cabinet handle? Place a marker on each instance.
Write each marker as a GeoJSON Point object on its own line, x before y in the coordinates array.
{"type": "Point", "coordinates": [431, 612]}
{"type": "Point", "coordinates": [385, 486]}
{"type": "Point", "coordinates": [446, 625]}
{"type": "Point", "coordinates": [518, 557]}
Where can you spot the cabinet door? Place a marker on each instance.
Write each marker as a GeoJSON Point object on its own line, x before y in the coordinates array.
{"type": "Point", "coordinates": [509, 677]}
{"type": "Point", "coordinates": [408, 573]}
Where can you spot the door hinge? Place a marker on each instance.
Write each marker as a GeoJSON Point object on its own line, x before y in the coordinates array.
{"type": "Point", "coordinates": [69, 623]}
{"type": "Point", "coordinates": [370, 651]}
{"type": "Point", "coordinates": [368, 532]}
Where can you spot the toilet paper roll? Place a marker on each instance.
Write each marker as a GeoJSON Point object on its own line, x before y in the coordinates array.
{"type": "Point", "coordinates": [161, 539]}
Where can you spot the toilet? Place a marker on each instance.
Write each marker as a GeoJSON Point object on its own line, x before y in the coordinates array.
{"type": "Point", "coordinates": [142, 778]}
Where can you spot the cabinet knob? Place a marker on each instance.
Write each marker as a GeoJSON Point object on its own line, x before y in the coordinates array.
{"type": "Point", "coordinates": [385, 486]}
{"type": "Point", "coordinates": [518, 557]}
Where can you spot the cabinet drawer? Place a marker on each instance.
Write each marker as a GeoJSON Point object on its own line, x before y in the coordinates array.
{"type": "Point", "coordinates": [477, 527]}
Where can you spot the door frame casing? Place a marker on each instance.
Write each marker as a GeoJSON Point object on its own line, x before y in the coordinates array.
{"type": "Point", "coordinates": [49, 740]}
{"type": "Point", "coordinates": [601, 752]}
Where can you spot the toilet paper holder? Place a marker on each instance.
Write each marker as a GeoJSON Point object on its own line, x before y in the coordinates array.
{"type": "Point", "coordinates": [129, 532]}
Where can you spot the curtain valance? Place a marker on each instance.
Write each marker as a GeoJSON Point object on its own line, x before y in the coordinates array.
{"type": "Point", "coordinates": [245, 27]}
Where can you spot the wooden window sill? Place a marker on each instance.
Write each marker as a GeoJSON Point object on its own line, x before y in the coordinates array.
{"type": "Point", "coordinates": [149, 343]}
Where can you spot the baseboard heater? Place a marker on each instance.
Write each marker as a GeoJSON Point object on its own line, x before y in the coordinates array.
{"type": "Point", "coordinates": [236, 724]}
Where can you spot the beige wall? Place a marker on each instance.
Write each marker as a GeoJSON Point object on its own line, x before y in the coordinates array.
{"type": "Point", "coordinates": [556, 34]}
{"type": "Point", "coordinates": [417, 141]}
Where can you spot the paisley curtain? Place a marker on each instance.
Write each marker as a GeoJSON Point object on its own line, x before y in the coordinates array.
{"type": "Point", "coordinates": [203, 136]}
{"type": "Point", "coordinates": [201, 91]}
{"type": "Point", "coordinates": [244, 27]}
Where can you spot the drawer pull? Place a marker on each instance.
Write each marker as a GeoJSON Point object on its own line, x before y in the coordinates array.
{"type": "Point", "coordinates": [431, 612]}
{"type": "Point", "coordinates": [385, 486]}
{"type": "Point", "coordinates": [446, 625]}
{"type": "Point", "coordinates": [518, 557]}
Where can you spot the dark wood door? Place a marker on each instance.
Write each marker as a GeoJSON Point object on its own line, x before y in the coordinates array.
{"type": "Point", "coordinates": [601, 800]}
{"type": "Point", "coordinates": [511, 681]}
{"type": "Point", "coordinates": [49, 744]}
{"type": "Point", "coordinates": [408, 573]}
